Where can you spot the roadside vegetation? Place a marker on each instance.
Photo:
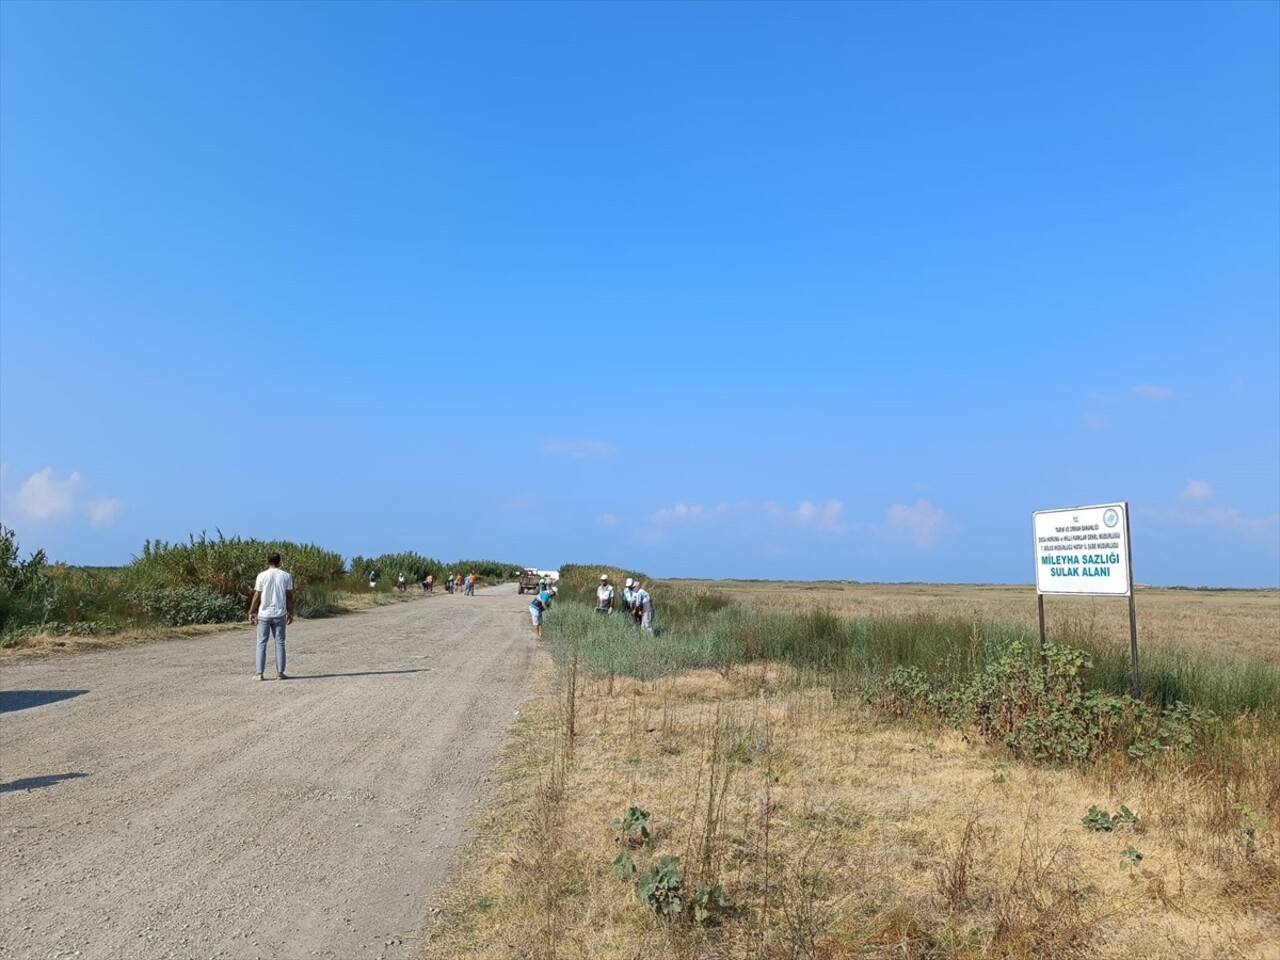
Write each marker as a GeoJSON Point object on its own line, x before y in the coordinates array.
{"type": "Point", "coordinates": [206, 580]}
{"type": "Point", "coordinates": [804, 783]}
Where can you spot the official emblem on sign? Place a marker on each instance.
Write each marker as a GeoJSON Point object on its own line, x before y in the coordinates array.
{"type": "Point", "coordinates": [1111, 517]}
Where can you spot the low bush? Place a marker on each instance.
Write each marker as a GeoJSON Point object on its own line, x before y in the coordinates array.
{"type": "Point", "coordinates": [315, 603]}
{"type": "Point", "coordinates": [181, 606]}
{"type": "Point", "coordinates": [1037, 705]}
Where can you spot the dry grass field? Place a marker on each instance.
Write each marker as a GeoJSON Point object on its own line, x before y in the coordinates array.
{"type": "Point", "coordinates": [1242, 623]}
{"type": "Point", "coordinates": [833, 832]}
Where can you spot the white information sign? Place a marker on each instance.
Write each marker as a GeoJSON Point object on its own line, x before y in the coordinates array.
{"type": "Point", "coordinates": [1083, 550]}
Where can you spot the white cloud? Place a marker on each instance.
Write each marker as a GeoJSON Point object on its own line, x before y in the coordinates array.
{"type": "Point", "coordinates": [103, 511]}
{"type": "Point", "coordinates": [825, 516]}
{"type": "Point", "coordinates": [523, 503]}
{"type": "Point", "coordinates": [1096, 421]}
{"type": "Point", "coordinates": [579, 449]}
{"type": "Point", "coordinates": [43, 496]}
{"type": "Point", "coordinates": [921, 522]}
{"type": "Point", "coordinates": [608, 520]}
{"type": "Point", "coordinates": [1196, 490]}
{"type": "Point", "coordinates": [1265, 527]}
{"type": "Point", "coordinates": [1150, 392]}
{"type": "Point", "coordinates": [690, 513]}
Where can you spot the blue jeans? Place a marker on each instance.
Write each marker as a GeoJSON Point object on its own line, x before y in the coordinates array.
{"type": "Point", "coordinates": [266, 627]}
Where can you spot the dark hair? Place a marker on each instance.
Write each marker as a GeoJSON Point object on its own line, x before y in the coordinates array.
{"type": "Point", "coordinates": [273, 560]}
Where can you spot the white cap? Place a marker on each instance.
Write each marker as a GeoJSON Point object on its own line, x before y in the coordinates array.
{"type": "Point", "coordinates": [604, 576]}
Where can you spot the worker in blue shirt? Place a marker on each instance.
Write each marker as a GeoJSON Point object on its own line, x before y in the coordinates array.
{"type": "Point", "coordinates": [541, 604]}
{"type": "Point", "coordinates": [643, 604]}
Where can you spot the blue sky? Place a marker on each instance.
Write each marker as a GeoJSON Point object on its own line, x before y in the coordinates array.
{"type": "Point", "coordinates": [730, 290]}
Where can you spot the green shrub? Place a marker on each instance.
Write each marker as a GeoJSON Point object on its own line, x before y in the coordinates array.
{"type": "Point", "coordinates": [388, 566]}
{"type": "Point", "coordinates": [180, 606]}
{"type": "Point", "coordinates": [489, 571]}
{"type": "Point", "coordinates": [415, 567]}
{"type": "Point", "coordinates": [28, 596]}
{"type": "Point", "coordinates": [316, 602]}
{"type": "Point", "coordinates": [661, 888]}
{"type": "Point", "coordinates": [90, 594]}
{"type": "Point", "coordinates": [1039, 707]}
{"type": "Point", "coordinates": [229, 565]}
{"type": "Point", "coordinates": [1099, 820]}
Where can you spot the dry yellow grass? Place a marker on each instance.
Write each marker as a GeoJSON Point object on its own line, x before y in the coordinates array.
{"type": "Point", "coordinates": [1242, 623]}
{"type": "Point", "coordinates": [838, 835]}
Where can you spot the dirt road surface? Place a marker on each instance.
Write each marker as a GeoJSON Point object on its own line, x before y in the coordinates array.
{"type": "Point", "coordinates": [157, 802]}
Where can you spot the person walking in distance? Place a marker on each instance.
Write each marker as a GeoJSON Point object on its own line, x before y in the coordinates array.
{"type": "Point", "coordinates": [604, 595]}
{"type": "Point", "coordinates": [643, 604]}
{"type": "Point", "coordinates": [541, 604]}
{"type": "Point", "coordinates": [271, 609]}
{"type": "Point", "coordinates": [628, 596]}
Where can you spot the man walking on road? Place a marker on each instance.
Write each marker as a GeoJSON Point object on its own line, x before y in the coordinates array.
{"type": "Point", "coordinates": [271, 609]}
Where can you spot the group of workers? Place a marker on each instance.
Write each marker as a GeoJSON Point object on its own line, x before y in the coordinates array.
{"type": "Point", "coordinates": [635, 601]}
{"type": "Point", "coordinates": [453, 583]}
{"type": "Point", "coordinates": [456, 583]}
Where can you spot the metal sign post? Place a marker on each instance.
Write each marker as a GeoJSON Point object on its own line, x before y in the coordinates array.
{"type": "Point", "coordinates": [1087, 551]}
{"type": "Point", "coordinates": [1133, 614]}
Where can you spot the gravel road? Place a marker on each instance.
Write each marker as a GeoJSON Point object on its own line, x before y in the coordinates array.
{"type": "Point", "coordinates": [156, 801]}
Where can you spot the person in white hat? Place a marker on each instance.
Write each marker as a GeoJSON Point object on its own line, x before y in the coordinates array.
{"type": "Point", "coordinates": [604, 595]}
{"type": "Point", "coordinates": [628, 595]}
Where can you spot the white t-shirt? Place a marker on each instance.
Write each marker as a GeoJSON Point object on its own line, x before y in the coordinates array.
{"type": "Point", "coordinates": [604, 593]}
{"type": "Point", "coordinates": [272, 584]}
